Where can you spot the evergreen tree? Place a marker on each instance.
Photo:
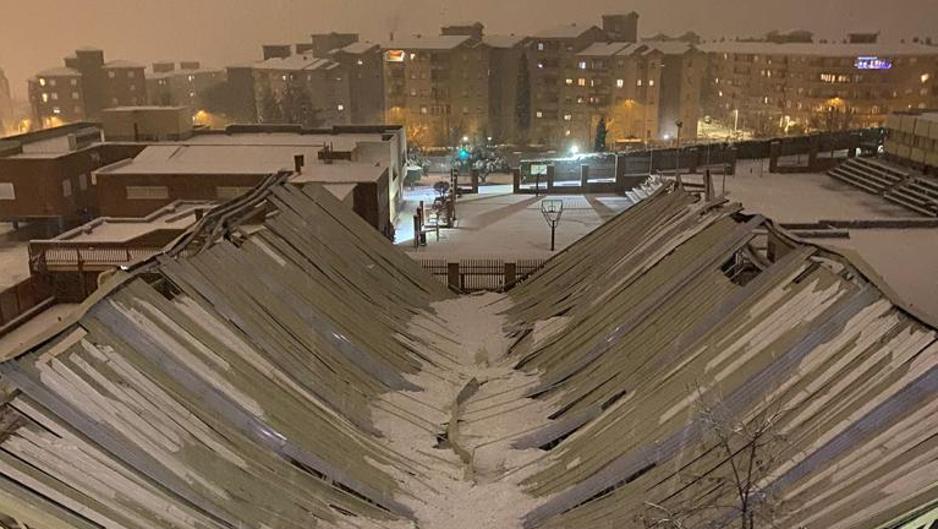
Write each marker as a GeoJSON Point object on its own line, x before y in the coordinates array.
{"type": "Point", "coordinates": [523, 104]}
{"type": "Point", "coordinates": [270, 111]}
{"type": "Point", "coordinates": [600, 144]}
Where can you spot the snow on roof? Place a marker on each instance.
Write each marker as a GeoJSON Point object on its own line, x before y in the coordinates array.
{"type": "Point", "coordinates": [182, 73]}
{"type": "Point", "coordinates": [358, 47]}
{"type": "Point", "coordinates": [604, 49]}
{"type": "Point", "coordinates": [176, 216]}
{"type": "Point", "coordinates": [294, 62]}
{"type": "Point", "coordinates": [339, 142]}
{"type": "Point", "coordinates": [816, 49]}
{"type": "Point", "coordinates": [670, 47]}
{"type": "Point", "coordinates": [502, 41]}
{"type": "Point", "coordinates": [122, 64]}
{"type": "Point", "coordinates": [339, 172]}
{"type": "Point", "coordinates": [418, 42]}
{"type": "Point", "coordinates": [565, 31]}
{"type": "Point", "coordinates": [60, 71]}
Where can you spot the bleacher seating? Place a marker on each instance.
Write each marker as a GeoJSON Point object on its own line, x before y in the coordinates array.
{"type": "Point", "coordinates": [893, 182]}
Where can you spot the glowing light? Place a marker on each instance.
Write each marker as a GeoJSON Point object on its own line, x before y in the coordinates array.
{"type": "Point", "coordinates": [873, 63]}
{"type": "Point", "coordinates": [465, 139]}
{"type": "Point", "coordinates": [667, 137]}
{"type": "Point", "coordinates": [574, 149]}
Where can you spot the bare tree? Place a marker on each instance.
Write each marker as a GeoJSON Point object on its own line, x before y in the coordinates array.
{"type": "Point", "coordinates": [731, 486]}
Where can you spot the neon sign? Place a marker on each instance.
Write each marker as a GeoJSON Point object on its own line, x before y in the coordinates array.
{"type": "Point", "coordinates": [873, 63]}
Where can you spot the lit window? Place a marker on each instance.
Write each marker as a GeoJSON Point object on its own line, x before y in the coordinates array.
{"type": "Point", "coordinates": [581, 81]}
{"type": "Point", "coordinates": [620, 83]}
{"type": "Point", "coordinates": [413, 56]}
{"type": "Point", "coordinates": [52, 82]}
{"type": "Point", "coordinates": [639, 82]}
{"type": "Point", "coordinates": [539, 114]}
{"type": "Point", "coordinates": [55, 96]}
{"type": "Point", "coordinates": [42, 81]}
{"type": "Point", "coordinates": [540, 65]}
{"type": "Point", "coordinates": [56, 111]}
{"type": "Point", "coordinates": [540, 46]}
{"type": "Point", "coordinates": [568, 117]}
{"type": "Point", "coordinates": [569, 82]}
{"type": "Point", "coordinates": [567, 133]}
{"type": "Point", "coordinates": [424, 110]}
{"type": "Point", "coordinates": [720, 93]}
{"type": "Point", "coordinates": [582, 65]}
{"type": "Point", "coordinates": [284, 77]}
{"type": "Point", "coordinates": [76, 95]}
{"type": "Point", "coordinates": [360, 62]}
{"type": "Point", "coordinates": [191, 78]}
{"type": "Point", "coordinates": [341, 107]}
{"type": "Point", "coordinates": [45, 97]}
{"type": "Point", "coordinates": [925, 77]}
{"type": "Point", "coordinates": [74, 82]}
{"type": "Point", "coordinates": [651, 82]}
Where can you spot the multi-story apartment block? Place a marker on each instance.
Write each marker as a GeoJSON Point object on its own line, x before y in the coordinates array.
{"type": "Point", "coordinates": [618, 82]}
{"type": "Point", "coordinates": [6, 105]}
{"type": "Point", "coordinates": [505, 55]}
{"type": "Point", "coordinates": [84, 87]}
{"type": "Point", "coordinates": [438, 87]}
{"type": "Point", "coordinates": [343, 85]}
{"type": "Point", "coordinates": [772, 88]}
{"type": "Point", "coordinates": [683, 70]}
{"type": "Point", "coordinates": [553, 56]}
{"type": "Point", "coordinates": [169, 85]}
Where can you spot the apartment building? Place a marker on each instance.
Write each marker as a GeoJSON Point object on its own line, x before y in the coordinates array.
{"type": "Point", "coordinates": [182, 84]}
{"type": "Point", "coordinates": [912, 138]}
{"type": "Point", "coordinates": [772, 88]}
{"type": "Point", "coordinates": [438, 87]}
{"type": "Point", "coordinates": [6, 104]}
{"type": "Point", "coordinates": [683, 71]}
{"type": "Point", "coordinates": [84, 87]}
{"type": "Point", "coordinates": [506, 52]}
{"type": "Point", "coordinates": [343, 85]}
{"type": "Point", "coordinates": [618, 82]}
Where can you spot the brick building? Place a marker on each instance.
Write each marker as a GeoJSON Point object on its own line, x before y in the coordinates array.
{"type": "Point", "coordinates": [772, 88]}
{"type": "Point", "coordinates": [169, 84]}
{"type": "Point", "coordinates": [84, 87]}
{"type": "Point", "coordinates": [438, 86]}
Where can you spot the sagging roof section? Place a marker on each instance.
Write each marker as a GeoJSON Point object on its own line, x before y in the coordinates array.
{"type": "Point", "coordinates": [225, 383]}
{"type": "Point", "coordinates": [676, 302]}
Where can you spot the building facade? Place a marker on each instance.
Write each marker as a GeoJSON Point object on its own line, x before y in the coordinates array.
{"type": "Point", "coordinates": [84, 87]}
{"type": "Point", "coordinates": [771, 88]}
{"type": "Point", "coordinates": [438, 87]}
{"type": "Point", "coordinates": [169, 84]}
{"type": "Point", "coordinates": [6, 105]}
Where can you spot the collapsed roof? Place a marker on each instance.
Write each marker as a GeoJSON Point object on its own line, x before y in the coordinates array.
{"type": "Point", "coordinates": [233, 380]}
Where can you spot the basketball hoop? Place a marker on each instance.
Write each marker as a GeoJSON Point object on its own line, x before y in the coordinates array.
{"type": "Point", "coordinates": [552, 211]}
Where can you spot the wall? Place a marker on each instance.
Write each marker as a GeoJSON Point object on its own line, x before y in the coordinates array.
{"type": "Point", "coordinates": [113, 200]}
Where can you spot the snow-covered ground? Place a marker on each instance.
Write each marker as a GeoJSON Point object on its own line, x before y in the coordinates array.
{"type": "Point", "coordinates": [14, 256]}
{"type": "Point", "coordinates": [498, 224]}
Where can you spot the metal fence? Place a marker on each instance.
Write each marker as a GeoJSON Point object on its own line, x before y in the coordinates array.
{"type": "Point", "coordinates": [474, 275]}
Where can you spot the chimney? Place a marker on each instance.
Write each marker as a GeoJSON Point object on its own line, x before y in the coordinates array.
{"type": "Point", "coordinates": [298, 162]}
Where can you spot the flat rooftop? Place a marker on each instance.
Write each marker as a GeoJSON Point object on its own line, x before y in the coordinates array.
{"type": "Point", "coordinates": [176, 216]}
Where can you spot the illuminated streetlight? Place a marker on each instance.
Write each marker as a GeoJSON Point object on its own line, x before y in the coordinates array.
{"type": "Point", "coordinates": [574, 149]}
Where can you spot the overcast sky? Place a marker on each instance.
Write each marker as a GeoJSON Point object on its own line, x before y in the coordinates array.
{"type": "Point", "coordinates": [36, 34]}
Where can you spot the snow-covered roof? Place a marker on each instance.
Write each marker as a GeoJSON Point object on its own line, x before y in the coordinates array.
{"type": "Point", "coordinates": [419, 42]}
{"type": "Point", "coordinates": [294, 62]}
{"type": "Point", "coordinates": [122, 64]}
{"type": "Point", "coordinates": [670, 47]}
{"type": "Point", "coordinates": [358, 47]}
{"type": "Point", "coordinates": [565, 31]}
{"type": "Point", "coordinates": [816, 49]}
{"type": "Point", "coordinates": [605, 49]}
{"type": "Point", "coordinates": [502, 41]}
{"type": "Point", "coordinates": [60, 71]}
{"type": "Point", "coordinates": [183, 73]}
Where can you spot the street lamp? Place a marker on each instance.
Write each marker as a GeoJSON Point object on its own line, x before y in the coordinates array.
{"type": "Point", "coordinates": [677, 154]}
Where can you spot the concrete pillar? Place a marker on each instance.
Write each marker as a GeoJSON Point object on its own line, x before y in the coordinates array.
{"type": "Point", "coordinates": [584, 177]}
{"type": "Point", "coordinates": [452, 276]}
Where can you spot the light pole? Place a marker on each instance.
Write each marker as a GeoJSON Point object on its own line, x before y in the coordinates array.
{"type": "Point", "coordinates": [677, 155]}
{"type": "Point", "coordinates": [552, 210]}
